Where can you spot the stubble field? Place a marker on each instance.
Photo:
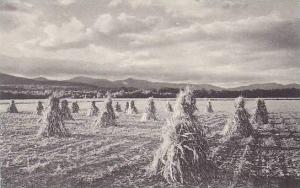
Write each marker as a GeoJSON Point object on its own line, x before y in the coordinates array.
{"type": "Point", "coordinates": [119, 156]}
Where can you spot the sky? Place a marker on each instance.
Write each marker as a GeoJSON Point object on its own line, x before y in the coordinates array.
{"type": "Point", "coordinates": [226, 43]}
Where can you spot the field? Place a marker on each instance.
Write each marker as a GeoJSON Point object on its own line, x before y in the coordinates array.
{"type": "Point", "coordinates": [119, 156]}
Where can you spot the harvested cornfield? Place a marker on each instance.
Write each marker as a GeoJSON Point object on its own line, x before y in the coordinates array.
{"type": "Point", "coordinates": [119, 156]}
{"type": "Point", "coordinates": [269, 157]}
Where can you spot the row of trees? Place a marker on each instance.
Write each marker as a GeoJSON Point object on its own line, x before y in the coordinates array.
{"type": "Point", "coordinates": [157, 93]}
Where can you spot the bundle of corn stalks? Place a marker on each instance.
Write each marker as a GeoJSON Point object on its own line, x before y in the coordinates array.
{"type": "Point", "coordinates": [169, 107]}
{"type": "Point", "coordinates": [118, 107]}
{"type": "Point", "coordinates": [239, 124]}
{"type": "Point", "coordinates": [39, 108]}
{"type": "Point", "coordinates": [132, 109]}
{"type": "Point", "coordinates": [126, 107]}
{"type": "Point", "coordinates": [182, 157]}
{"type": "Point", "coordinates": [52, 121]}
{"type": "Point", "coordinates": [75, 107]}
{"type": "Point", "coordinates": [12, 107]}
{"type": "Point", "coordinates": [261, 112]}
{"type": "Point", "coordinates": [94, 110]}
{"type": "Point", "coordinates": [208, 107]}
{"type": "Point", "coordinates": [150, 111]}
{"type": "Point", "coordinates": [65, 111]}
{"type": "Point", "coordinates": [185, 104]}
{"type": "Point", "coordinates": [109, 107]}
{"type": "Point", "coordinates": [107, 117]}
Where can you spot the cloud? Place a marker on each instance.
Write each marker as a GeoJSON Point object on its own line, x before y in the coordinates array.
{"type": "Point", "coordinates": [15, 6]}
{"type": "Point", "coordinates": [15, 14]}
{"type": "Point", "coordinates": [65, 2]}
{"type": "Point", "coordinates": [133, 3]}
{"type": "Point", "coordinates": [104, 24]}
{"type": "Point", "coordinates": [105, 31]}
{"type": "Point", "coordinates": [91, 54]}
{"type": "Point", "coordinates": [115, 3]}
{"type": "Point", "coordinates": [265, 32]}
{"type": "Point", "coordinates": [124, 23]}
{"type": "Point", "coordinates": [68, 33]}
{"type": "Point", "coordinates": [139, 3]}
{"type": "Point", "coordinates": [262, 33]}
{"type": "Point", "coordinates": [60, 67]}
{"type": "Point", "coordinates": [224, 76]}
{"type": "Point", "coordinates": [220, 41]}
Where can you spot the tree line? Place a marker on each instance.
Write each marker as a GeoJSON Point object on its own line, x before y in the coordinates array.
{"type": "Point", "coordinates": [157, 93]}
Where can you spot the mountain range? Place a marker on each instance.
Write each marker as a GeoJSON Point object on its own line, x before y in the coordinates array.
{"type": "Point", "coordinates": [6, 79]}
{"type": "Point", "coordinates": [135, 83]}
{"type": "Point", "coordinates": [87, 82]}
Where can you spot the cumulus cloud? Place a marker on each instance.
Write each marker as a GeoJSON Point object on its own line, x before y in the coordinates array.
{"type": "Point", "coordinates": [72, 31]}
{"type": "Point", "coordinates": [67, 33]}
{"type": "Point", "coordinates": [106, 30]}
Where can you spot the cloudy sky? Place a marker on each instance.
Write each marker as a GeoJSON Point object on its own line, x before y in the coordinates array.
{"type": "Point", "coordinates": [221, 42]}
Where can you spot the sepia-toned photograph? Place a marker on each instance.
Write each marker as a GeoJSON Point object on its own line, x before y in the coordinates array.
{"type": "Point", "coordinates": [150, 93]}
